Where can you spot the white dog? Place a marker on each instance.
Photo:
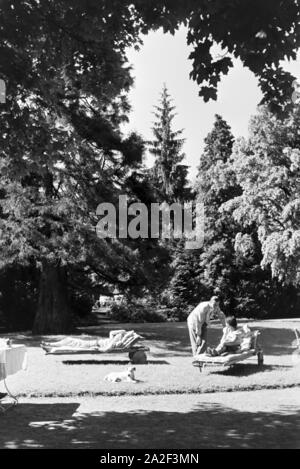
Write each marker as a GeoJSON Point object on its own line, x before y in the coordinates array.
{"type": "Point", "coordinates": [127, 375]}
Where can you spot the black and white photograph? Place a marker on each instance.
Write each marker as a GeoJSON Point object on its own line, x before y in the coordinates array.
{"type": "Point", "coordinates": [149, 227]}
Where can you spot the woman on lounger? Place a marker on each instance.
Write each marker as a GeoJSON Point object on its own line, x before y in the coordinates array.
{"type": "Point", "coordinates": [234, 339]}
{"type": "Point", "coordinates": [117, 339]}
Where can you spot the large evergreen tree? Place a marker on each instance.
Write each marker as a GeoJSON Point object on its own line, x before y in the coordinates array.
{"type": "Point", "coordinates": [218, 145]}
{"type": "Point", "coordinates": [62, 149]}
{"type": "Point", "coordinates": [169, 175]}
{"type": "Point", "coordinates": [210, 267]}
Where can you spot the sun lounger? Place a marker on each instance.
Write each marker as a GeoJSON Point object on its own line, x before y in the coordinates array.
{"type": "Point", "coordinates": [136, 353]}
{"type": "Point", "coordinates": [201, 360]}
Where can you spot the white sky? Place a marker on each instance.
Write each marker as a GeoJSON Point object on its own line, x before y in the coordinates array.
{"type": "Point", "coordinates": [164, 59]}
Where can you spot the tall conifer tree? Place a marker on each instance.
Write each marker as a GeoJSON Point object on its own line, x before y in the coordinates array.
{"type": "Point", "coordinates": [169, 174]}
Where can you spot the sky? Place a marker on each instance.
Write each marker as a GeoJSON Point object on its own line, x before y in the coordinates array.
{"type": "Point", "coordinates": [163, 58]}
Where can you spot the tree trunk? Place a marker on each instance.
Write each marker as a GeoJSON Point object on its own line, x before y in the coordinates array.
{"type": "Point", "coordinates": [53, 314]}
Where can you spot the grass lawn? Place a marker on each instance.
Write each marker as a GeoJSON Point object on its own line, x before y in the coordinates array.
{"type": "Point", "coordinates": [169, 370]}
{"type": "Point", "coordinates": [253, 419]}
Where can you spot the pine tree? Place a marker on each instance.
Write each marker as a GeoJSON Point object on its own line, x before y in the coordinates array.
{"type": "Point", "coordinates": [215, 183]}
{"type": "Point", "coordinates": [218, 144]}
{"type": "Point", "coordinates": [169, 175]}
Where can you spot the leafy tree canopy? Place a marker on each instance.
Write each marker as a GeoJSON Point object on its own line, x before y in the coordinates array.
{"type": "Point", "coordinates": [259, 33]}
{"type": "Point", "coordinates": [267, 168]}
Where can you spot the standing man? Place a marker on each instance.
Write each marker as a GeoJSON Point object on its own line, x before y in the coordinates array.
{"type": "Point", "coordinates": [198, 320]}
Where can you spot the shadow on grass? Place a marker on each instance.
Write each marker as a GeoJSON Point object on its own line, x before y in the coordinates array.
{"type": "Point", "coordinates": [208, 425]}
{"type": "Point", "coordinates": [247, 369]}
{"type": "Point", "coordinates": [111, 362]}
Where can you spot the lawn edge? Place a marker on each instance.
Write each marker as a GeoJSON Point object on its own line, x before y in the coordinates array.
{"type": "Point", "coordinates": [159, 392]}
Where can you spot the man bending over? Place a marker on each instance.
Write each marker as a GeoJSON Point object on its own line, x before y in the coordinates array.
{"type": "Point", "coordinates": [198, 321]}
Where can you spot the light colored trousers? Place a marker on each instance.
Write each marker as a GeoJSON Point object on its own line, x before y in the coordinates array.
{"type": "Point", "coordinates": [194, 337]}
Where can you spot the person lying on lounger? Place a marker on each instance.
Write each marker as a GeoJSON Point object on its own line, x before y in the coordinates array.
{"type": "Point", "coordinates": [234, 339]}
{"type": "Point", "coordinates": [117, 339]}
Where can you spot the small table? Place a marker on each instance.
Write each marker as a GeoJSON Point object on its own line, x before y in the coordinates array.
{"type": "Point", "coordinates": [12, 360]}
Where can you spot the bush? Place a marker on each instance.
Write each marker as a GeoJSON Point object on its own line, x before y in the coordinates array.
{"type": "Point", "coordinates": [135, 312]}
{"type": "Point", "coordinates": [179, 311]}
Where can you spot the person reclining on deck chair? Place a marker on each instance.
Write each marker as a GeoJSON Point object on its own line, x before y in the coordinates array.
{"type": "Point", "coordinates": [117, 339]}
{"type": "Point", "coordinates": [235, 339]}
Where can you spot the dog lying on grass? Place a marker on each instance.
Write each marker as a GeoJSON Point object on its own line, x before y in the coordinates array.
{"type": "Point", "coordinates": [126, 376]}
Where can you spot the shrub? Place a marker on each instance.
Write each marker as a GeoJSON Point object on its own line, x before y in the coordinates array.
{"type": "Point", "coordinates": [136, 312]}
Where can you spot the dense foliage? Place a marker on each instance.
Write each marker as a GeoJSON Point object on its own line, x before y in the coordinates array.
{"type": "Point", "coordinates": [267, 168]}
{"type": "Point", "coordinates": [259, 33]}
{"type": "Point", "coordinates": [62, 149]}
{"type": "Point", "coordinates": [246, 189]}
{"type": "Point", "coordinates": [62, 153]}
